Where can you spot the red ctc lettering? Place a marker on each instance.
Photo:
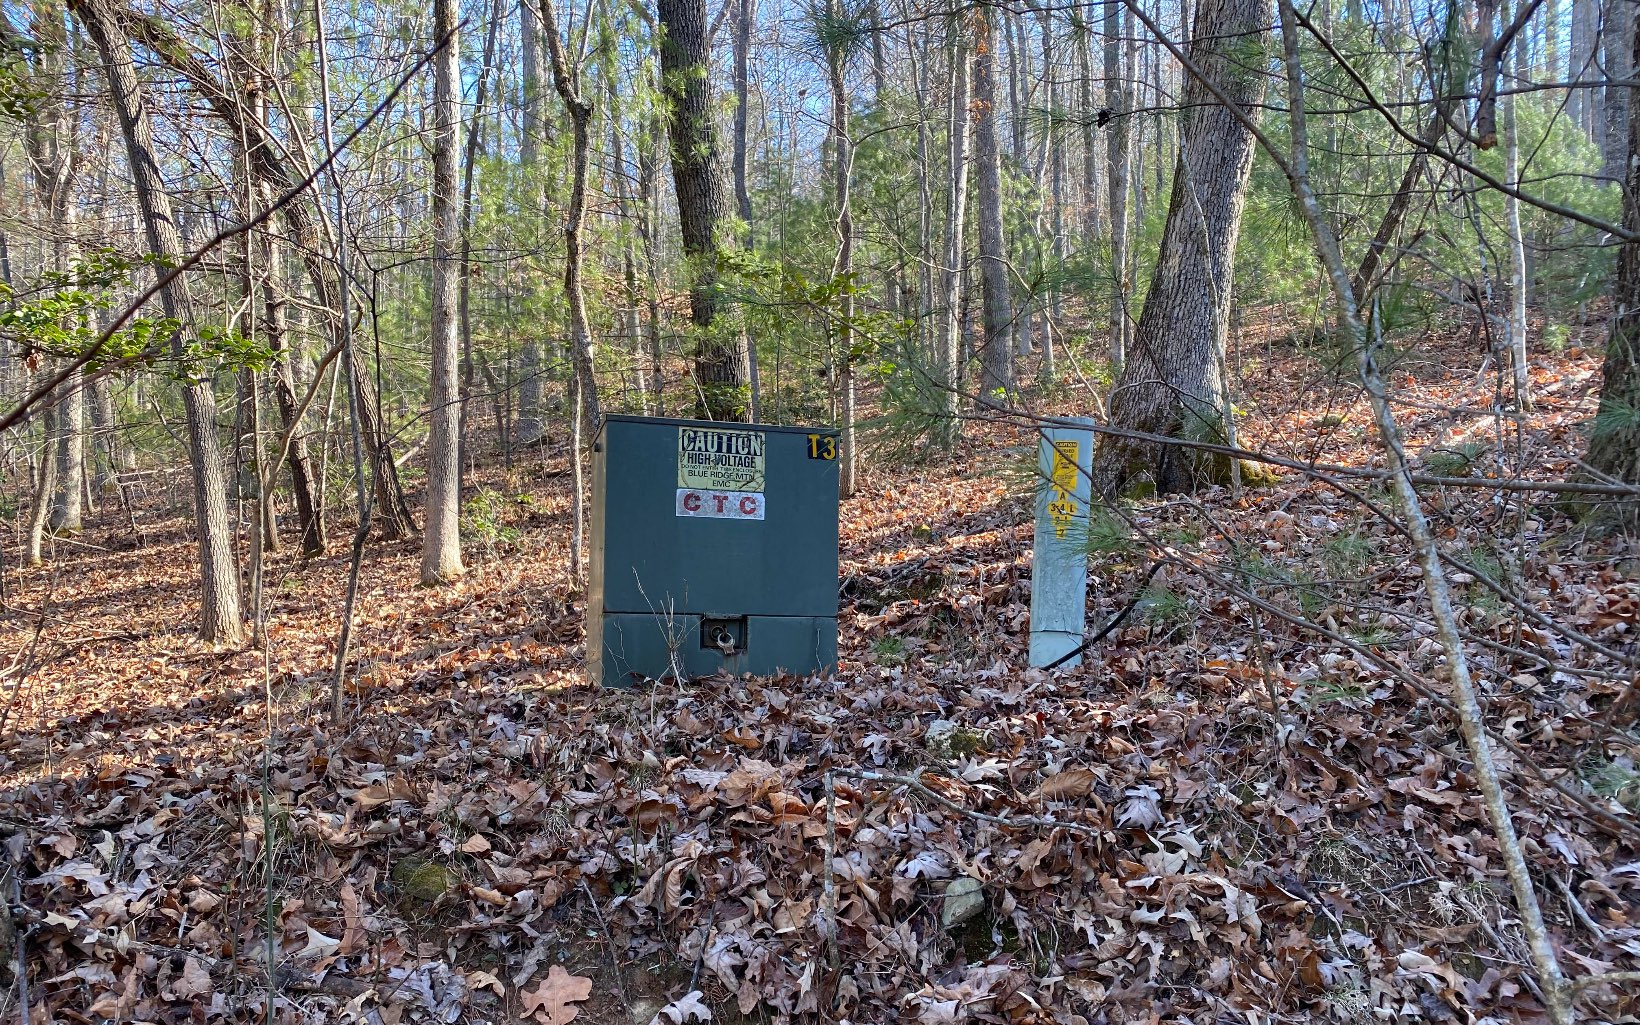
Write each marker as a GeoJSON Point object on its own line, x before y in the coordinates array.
{"type": "Point", "coordinates": [691, 502]}
{"type": "Point", "coordinates": [748, 506]}
{"type": "Point", "coordinates": [720, 500]}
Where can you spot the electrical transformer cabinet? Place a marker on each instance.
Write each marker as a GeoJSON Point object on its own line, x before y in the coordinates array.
{"type": "Point", "coordinates": [713, 547]}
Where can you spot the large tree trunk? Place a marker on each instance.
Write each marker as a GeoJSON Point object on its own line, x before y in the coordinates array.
{"type": "Point", "coordinates": [956, 206]}
{"type": "Point", "coordinates": [1172, 382]}
{"type": "Point", "coordinates": [1614, 444]}
{"type": "Point", "coordinates": [441, 545]}
{"type": "Point", "coordinates": [1618, 39]}
{"type": "Point", "coordinates": [220, 618]}
{"type": "Point", "coordinates": [997, 311]}
{"type": "Point", "coordinates": [722, 370]}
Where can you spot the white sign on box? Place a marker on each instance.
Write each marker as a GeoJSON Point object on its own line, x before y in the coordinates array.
{"type": "Point", "coordinates": [721, 505]}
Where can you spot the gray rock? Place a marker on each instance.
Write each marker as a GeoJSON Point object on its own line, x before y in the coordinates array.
{"type": "Point", "coordinates": [964, 898]}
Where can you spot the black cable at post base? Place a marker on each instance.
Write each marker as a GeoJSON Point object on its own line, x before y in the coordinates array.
{"type": "Point", "coordinates": [1115, 621]}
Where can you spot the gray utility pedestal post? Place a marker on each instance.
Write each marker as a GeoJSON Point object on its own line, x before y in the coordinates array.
{"type": "Point", "coordinates": [713, 548]}
{"type": "Point", "coordinates": [1059, 569]}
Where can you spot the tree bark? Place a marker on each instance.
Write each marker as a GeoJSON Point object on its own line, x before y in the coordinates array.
{"type": "Point", "coordinates": [1172, 382]}
{"type": "Point", "coordinates": [220, 618]}
{"type": "Point", "coordinates": [1118, 98]}
{"type": "Point", "coordinates": [441, 544]}
{"type": "Point", "coordinates": [842, 150]}
{"type": "Point", "coordinates": [567, 81]}
{"type": "Point", "coordinates": [531, 425]}
{"type": "Point", "coordinates": [997, 310]}
{"type": "Point", "coordinates": [1618, 38]}
{"type": "Point", "coordinates": [722, 370]}
{"type": "Point", "coordinates": [309, 514]}
{"type": "Point", "coordinates": [956, 208]}
{"type": "Point", "coordinates": [1614, 442]}
{"type": "Point", "coordinates": [50, 136]}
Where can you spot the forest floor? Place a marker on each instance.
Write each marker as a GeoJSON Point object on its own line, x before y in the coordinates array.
{"type": "Point", "coordinates": [1246, 822]}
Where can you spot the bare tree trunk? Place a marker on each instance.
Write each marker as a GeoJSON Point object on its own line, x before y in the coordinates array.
{"type": "Point", "coordinates": [1172, 382]}
{"type": "Point", "coordinates": [580, 110]}
{"type": "Point", "coordinates": [220, 618]}
{"type": "Point", "coordinates": [842, 151]}
{"type": "Point", "coordinates": [1618, 38]}
{"type": "Point", "coordinates": [628, 212]}
{"type": "Point", "coordinates": [441, 544]}
{"type": "Point", "coordinates": [745, 11]}
{"type": "Point", "coordinates": [920, 71]}
{"type": "Point", "coordinates": [1614, 443]}
{"type": "Point", "coordinates": [1118, 98]}
{"type": "Point", "coordinates": [309, 513]}
{"type": "Point", "coordinates": [531, 425]}
{"type": "Point", "coordinates": [68, 452]}
{"type": "Point", "coordinates": [45, 480]}
{"type": "Point", "coordinates": [1517, 242]}
{"type": "Point", "coordinates": [956, 212]}
{"type": "Point", "coordinates": [1093, 211]}
{"type": "Point", "coordinates": [50, 136]}
{"type": "Point", "coordinates": [722, 369]}
{"type": "Point", "coordinates": [105, 432]}
{"type": "Point", "coordinates": [1056, 197]}
{"type": "Point", "coordinates": [997, 358]}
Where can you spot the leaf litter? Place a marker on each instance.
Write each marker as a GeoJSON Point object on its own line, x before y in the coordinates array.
{"type": "Point", "coordinates": [1148, 837]}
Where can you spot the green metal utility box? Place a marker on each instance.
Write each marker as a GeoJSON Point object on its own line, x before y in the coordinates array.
{"type": "Point", "coordinates": [713, 547]}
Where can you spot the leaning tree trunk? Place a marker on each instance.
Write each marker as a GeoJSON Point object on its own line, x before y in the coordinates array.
{"type": "Point", "coordinates": [220, 618]}
{"type": "Point", "coordinates": [722, 371]}
{"type": "Point", "coordinates": [1172, 382]}
{"type": "Point", "coordinates": [441, 545]}
{"type": "Point", "coordinates": [1614, 445]}
{"type": "Point", "coordinates": [997, 306]}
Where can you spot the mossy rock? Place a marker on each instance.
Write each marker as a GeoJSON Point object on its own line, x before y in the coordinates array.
{"type": "Point", "coordinates": [422, 880]}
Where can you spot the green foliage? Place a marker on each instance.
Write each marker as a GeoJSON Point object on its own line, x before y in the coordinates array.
{"type": "Point", "coordinates": [1161, 607]}
{"type": "Point", "coordinates": [1348, 555]}
{"type": "Point", "coordinates": [1109, 534]}
{"type": "Point", "coordinates": [484, 520]}
{"type": "Point", "coordinates": [888, 650]}
{"type": "Point", "coordinates": [55, 315]}
{"type": "Point", "coordinates": [1454, 461]}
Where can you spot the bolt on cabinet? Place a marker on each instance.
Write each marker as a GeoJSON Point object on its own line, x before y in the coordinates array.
{"type": "Point", "coordinates": [713, 547]}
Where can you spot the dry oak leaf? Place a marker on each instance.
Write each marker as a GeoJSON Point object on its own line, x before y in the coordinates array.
{"type": "Point", "coordinates": [1067, 785]}
{"type": "Point", "coordinates": [551, 1002]}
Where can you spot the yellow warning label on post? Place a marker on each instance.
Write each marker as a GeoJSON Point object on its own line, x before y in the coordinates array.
{"type": "Point", "coordinates": [1065, 454]}
{"type": "Point", "coordinates": [717, 460]}
{"type": "Point", "coordinates": [1063, 509]}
